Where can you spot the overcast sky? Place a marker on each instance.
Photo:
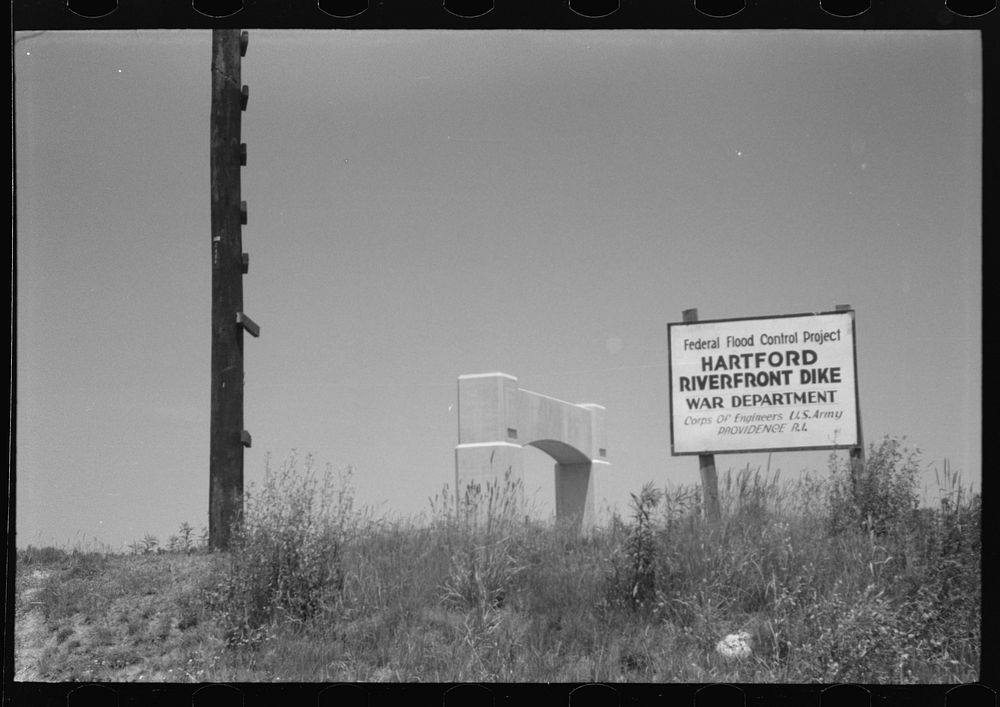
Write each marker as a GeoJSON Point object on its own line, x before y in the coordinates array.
{"type": "Point", "coordinates": [429, 204]}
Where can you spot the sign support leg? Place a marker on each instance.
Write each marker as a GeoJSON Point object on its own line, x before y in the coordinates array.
{"type": "Point", "coordinates": [706, 463]}
{"type": "Point", "coordinates": [857, 453]}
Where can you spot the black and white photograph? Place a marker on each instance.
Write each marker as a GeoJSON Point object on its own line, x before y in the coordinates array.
{"type": "Point", "coordinates": [500, 356]}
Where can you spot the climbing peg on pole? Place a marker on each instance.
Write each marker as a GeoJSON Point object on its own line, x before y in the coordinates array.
{"type": "Point", "coordinates": [248, 324]}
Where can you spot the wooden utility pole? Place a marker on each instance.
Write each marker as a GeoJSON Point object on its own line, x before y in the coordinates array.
{"type": "Point", "coordinates": [229, 264]}
{"type": "Point", "coordinates": [706, 462]}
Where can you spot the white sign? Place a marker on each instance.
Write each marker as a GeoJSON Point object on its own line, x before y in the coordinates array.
{"type": "Point", "coordinates": [757, 385]}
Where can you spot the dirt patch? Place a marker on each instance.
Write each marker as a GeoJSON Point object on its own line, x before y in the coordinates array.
{"type": "Point", "coordinates": [31, 635]}
{"type": "Point", "coordinates": [115, 618]}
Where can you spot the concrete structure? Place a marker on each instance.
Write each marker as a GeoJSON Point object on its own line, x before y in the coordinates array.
{"type": "Point", "coordinates": [496, 419]}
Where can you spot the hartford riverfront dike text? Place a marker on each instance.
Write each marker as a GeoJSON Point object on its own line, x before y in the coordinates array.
{"type": "Point", "coordinates": [748, 374]}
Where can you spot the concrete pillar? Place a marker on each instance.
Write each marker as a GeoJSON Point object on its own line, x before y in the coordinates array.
{"type": "Point", "coordinates": [487, 462]}
{"type": "Point", "coordinates": [599, 460]}
{"type": "Point", "coordinates": [487, 431]}
{"type": "Point", "coordinates": [575, 494]}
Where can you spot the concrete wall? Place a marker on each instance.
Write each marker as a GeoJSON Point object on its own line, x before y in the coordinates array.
{"type": "Point", "coordinates": [496, 419]}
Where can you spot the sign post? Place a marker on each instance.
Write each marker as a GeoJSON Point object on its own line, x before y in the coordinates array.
{"type": "Point", "coordinates": [706, 462]}
{"type": "Point", "coordinates": [858, 451]}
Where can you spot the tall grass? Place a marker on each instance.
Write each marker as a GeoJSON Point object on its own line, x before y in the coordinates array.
{"type": "Point", "coordinates": [836, 578]}
{"type": "Point", "coordinates": [480, 534]}
{"type": "Point", "coordinates": [285, 556]}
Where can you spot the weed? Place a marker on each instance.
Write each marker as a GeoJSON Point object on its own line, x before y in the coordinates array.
{"type": "Point", "coordinates": [48, 555]}
{"type": "Point", "coordinates": [878, 496]}
{"type": "Point", "coordinates": [285, 555]}
{"type": "Point", "coordinates": [480, 535]}
{"type": "Point", "coordinates": [633, 577]}
{"type": "Point", "coordinates": [185, 535]}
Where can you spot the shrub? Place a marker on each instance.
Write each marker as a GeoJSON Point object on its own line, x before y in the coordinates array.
{"type": "Point", "coordinates": [632, 580]}
{"type": "Point", "coordinates": [878, 496]}
{"type": "Point", "coordinates": [149, 544]}
{"type": "Point", "coordinates": [47, 555]}
{"type": "Point", "coordinates": [185, 534]}
{"type": "Point", "coordinates": [943, 579]}
{"type": "Point", "coordinates": [285, 551]}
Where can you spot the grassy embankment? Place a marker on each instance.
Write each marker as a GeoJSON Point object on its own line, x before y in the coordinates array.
{"type": "Point", "coordinates": [838, 578]}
